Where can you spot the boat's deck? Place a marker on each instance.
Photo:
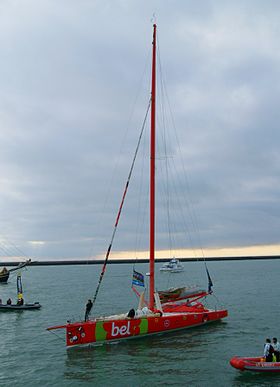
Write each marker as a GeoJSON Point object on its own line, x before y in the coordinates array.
{"type": "Point", "coordinates": [123, 316]}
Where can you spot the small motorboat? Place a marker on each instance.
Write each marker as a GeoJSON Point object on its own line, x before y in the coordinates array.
{"type": "Point", "coordinates": [173, 266]}
{"type": "Point", "coordinates": [20, 305]}
{"type": "Point", "coordinates": [13, 307]}
{"type": "Point", "coordinates": [255, 364]}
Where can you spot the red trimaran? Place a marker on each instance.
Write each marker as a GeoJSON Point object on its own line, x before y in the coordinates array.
{"type": "Point", "coordinates": [168, 311]}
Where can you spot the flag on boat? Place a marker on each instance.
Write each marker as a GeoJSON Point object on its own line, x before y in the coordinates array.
{"type": "Point", "coordinates": [19, 287]}
{"type": "Point", "coordinates": [137, 279]}
{"type": "Point", "coordinates": [210, 283]}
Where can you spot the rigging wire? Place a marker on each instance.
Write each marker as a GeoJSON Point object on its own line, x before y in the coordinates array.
{"type": "Point", "coordinates": [164, 134]}
{"type": "Point", "coordinates": [168, 171]}
{"type": "Point", "coordinates": [190, 205]}
{"type": "Point", "coordinates": [116, 164]}
{"type": "Point", "coordinates": [8, 248]}
{"type": "Point", "coordinates": [193, 217]}
{"type": "Point", "coordinates": [141, 214]}
{"type": "Point", "coordinates": [121, 205]}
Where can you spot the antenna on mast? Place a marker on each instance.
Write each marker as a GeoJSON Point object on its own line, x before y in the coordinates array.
{"type": "Point", "coordinates": [154, 19]}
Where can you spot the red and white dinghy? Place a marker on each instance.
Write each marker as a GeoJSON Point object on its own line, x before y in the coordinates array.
{"type": "Point", "coordinates": [255, 364]}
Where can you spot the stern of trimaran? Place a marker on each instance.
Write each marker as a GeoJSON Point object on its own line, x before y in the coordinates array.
{"type": "Point", "coordinates": [157, 316]}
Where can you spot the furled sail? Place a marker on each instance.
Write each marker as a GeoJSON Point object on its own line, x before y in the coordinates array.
{"type": "Point", "coordinates": [19, 288]}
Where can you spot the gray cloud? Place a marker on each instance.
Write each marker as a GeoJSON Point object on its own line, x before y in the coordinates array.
{"type": "Point", "coordinates": [72, 100]}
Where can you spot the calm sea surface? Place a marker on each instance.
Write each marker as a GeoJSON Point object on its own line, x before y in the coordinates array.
{"type": "Point", "coordinates": [31, 356]}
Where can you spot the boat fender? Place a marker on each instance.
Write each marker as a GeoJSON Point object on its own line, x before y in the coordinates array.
{"type": "Point", "coordinates": [205, 318]}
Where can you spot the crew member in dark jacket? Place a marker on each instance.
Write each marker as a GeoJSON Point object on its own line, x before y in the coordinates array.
{"type": "Point", "coordinates": [268, 350]}
{"type": "Point", "coordinates": [88, 309]}
{"type": "Point", "coordinates": [276, 347]}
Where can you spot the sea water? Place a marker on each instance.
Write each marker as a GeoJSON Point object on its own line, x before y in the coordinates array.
{"type": "Point", "coordinates": [32, 356]}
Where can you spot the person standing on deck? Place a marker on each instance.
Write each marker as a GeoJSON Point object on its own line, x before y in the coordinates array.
{"type": "Point", "coordinates": [268, 351]}
{"type": "Point", "coordinates": [276, 347]}
{"type": "Point", "coordinates": [88, 309]}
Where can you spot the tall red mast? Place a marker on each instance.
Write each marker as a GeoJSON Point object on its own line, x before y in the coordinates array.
{"type": "Point", "coordinates": [152, 174]}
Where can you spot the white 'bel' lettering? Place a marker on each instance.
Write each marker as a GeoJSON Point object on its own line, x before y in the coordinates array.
{"type": "Point", "coordinates": [123, 330]}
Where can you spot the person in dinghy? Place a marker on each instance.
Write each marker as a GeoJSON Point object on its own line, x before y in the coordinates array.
{"type": "Point", "coordinates": [268, 351]}
{"type": "Point", "coordinates": [276, 347]}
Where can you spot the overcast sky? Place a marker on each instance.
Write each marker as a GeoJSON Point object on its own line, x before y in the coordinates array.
{"type": "Point", "coordinates": [74, 78]}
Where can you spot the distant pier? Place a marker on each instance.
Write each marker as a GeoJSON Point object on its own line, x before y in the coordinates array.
{"type": "Point", "coordinates": [122, 261]}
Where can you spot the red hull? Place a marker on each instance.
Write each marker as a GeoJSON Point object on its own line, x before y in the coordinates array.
{"type": "Point", "coordinates": [117, 328]}
{"type": "Point", "coordinates": [255, 364]}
